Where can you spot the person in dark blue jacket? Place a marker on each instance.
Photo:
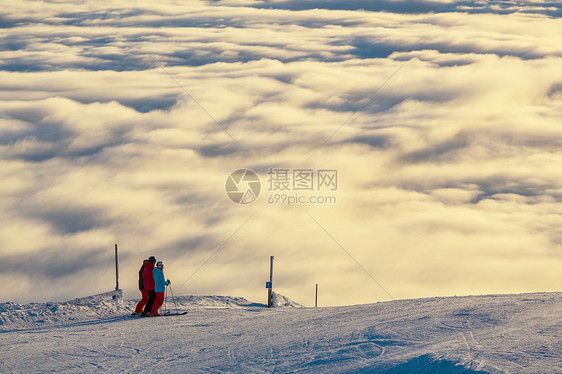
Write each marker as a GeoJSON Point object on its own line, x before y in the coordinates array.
{"type": "Point", "coordinates": [159, 287]}
{"type": "Point", "coordinates": [144, 292]}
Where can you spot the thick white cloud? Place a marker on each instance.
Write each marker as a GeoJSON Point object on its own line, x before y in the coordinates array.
{"type": "Point", "coordinates": [447, 160]}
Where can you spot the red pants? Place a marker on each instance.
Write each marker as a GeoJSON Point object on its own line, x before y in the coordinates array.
{"type": "Point", "coordinates": [157, 303]}
{"type": "Point", "coordinates": [143, 301]}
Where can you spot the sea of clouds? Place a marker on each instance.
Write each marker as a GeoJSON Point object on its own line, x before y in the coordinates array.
{"type": "Point", "coordinates": [119, 123]}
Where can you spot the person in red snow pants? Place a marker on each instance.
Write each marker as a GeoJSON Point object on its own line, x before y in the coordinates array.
{"type": "Point", "coordinates": [159, 287]}
{"type": "Point", "coordinates": [148, 282]}
{"type": "Point", "coordinates": [144, 293]}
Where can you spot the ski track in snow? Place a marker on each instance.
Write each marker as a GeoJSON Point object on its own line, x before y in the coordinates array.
{"type": "Point", "coordinates": [493, 334]}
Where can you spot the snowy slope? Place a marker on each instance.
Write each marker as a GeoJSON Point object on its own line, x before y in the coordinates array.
{"type": "Point", "coordinates": [493, 334]}
{"type": "Point", "coordinates": [279, 301]}
{"type": "Point", "coordinates": [102, 306]}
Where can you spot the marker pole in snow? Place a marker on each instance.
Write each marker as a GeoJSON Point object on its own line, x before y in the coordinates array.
{"type": "Point", "coordinates": [270, 288]}
{"type": "Point", "coordinates": [316, 297]}
{"type": "Point", "coordinates": [116, 269]}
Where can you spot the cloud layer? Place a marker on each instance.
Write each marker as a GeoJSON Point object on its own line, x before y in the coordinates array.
{"type": "Point", "coordinates": [442, 119]}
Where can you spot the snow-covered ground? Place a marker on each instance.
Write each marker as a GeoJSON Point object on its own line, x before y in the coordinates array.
{"type": "Point", "coordinates": [494, 334]}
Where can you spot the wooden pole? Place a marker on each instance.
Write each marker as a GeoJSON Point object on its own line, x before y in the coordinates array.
{"type": "Point", "coordinates": [270, 289]}
{"type": "Point", "coordinates": [316, 297]}
{"type": "Point", "coordinates": [116, 269]}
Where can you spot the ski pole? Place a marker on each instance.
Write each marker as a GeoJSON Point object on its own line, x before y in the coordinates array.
{"type": "Point", "coordinates": [173, 299]}
{"type": "Point", "coordinates": [165, 297]}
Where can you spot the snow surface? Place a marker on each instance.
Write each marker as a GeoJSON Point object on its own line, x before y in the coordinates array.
{"type": "Point", "coordinates": [278, 301]}
{"type": "Point", "coordinates": [493, 334]}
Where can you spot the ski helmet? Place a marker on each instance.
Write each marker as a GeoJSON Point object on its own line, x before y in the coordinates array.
{"type": "Point", "coordinates": [152, 259]}
{"type": "Point", "coordinates": [160, 265]}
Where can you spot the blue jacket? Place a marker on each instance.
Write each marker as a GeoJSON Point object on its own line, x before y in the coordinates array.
{"type": "Point", "coordinates": [159, 282]}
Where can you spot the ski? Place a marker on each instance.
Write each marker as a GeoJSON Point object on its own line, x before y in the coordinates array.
{"type": "Point", "coordinates": [160, 315]}
{"type": "Point", "coordinates": [172, 314]}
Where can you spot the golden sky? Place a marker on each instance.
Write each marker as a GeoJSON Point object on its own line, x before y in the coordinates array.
{"type": "Point", "coordinates": [120, 123]}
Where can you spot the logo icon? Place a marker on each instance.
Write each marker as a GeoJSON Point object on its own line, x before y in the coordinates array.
{"type": "Point", "coordinates": [243, 186]}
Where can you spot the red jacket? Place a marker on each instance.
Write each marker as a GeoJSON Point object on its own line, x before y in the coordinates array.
{"type": "Point", "coordinates": [147, 277]}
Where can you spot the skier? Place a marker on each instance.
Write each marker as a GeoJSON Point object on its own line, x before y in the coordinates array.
{"type": "Point", "coordinates": [144, 292]}
{"type": "Point", "coordinates": [159, 287]}
{"type": "Point", "coordinates": [148, 282]}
